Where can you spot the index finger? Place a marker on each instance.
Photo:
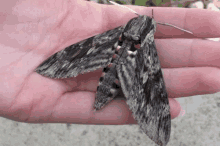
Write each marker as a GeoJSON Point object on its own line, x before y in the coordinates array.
{"type": "Point", "coordinates": [203, 23]}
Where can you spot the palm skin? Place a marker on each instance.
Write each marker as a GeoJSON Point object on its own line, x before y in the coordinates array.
{"type": "Point", "coordinates": [31, 31]}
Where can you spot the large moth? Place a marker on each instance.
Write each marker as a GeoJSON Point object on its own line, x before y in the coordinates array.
{"type": "Point", "coordinates": [131, 64]}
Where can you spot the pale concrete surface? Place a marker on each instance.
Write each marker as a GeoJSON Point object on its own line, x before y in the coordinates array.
{"type": "Point", "coordinates": [199, 126]}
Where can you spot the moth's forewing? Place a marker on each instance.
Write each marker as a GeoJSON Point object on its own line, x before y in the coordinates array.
{"type": "Point", "coordinates": [142, 81]}
{"type": "Point", "coordinates": [86, 56]}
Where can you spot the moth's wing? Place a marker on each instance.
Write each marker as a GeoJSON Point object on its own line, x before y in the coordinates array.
{"type": "Point", "coordinates": [88, 55]}
{"type": "Point", "coordinates": [143, 85]}
{"type": "Point", "coordinates": [157, 109]}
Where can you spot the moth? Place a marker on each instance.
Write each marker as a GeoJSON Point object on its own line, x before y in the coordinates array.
{"type": "Point", "coordinates": [129, 57]}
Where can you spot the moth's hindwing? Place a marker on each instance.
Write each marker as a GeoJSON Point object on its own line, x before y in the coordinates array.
{"type": "Point", "coordinates": [88, 55]}
{"type": "Point", "coordinates": [142, 81]}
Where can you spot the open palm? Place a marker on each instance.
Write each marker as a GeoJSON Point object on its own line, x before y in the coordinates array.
{"type": "Point", "coordinates": [31, 31]}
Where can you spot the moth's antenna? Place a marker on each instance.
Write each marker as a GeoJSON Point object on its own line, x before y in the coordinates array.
{"type": "Point", "coordinates": [167, 24]}
{"type": "Point", "coordinates": [114, 3]}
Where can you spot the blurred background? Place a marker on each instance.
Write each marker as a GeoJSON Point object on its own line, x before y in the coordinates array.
{"type": "Point", "coordinates": [165, 3]}
{"type": "Point", "coordinates": [197, 125]}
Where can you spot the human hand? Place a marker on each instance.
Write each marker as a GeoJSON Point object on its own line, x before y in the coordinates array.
{"type": "Point", "coordinates": [34, 30]}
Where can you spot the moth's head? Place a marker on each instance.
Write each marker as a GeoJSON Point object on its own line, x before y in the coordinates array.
{"type": "Point", "coordinates": [138, 28]}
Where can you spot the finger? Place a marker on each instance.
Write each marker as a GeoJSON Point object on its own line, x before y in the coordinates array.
{"type": "Point", "coordinates": [117, 112]}
{"type": "Point", "coordinates": [182, 82]}
{"type": "Point", "coordinates": [175, 53]}
{"type": "Point", "coordinates": [80, 110]}
{"type": "Point", "coordinates": [204, 25]}
{"type": "Point", "coordinates": [77, 107]}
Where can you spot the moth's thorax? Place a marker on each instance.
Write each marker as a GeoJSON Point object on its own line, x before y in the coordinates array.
{"type": "Point", "coordinates": [138, 27]}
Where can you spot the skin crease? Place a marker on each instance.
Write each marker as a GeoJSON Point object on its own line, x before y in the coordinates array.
{"type": "Point", "coordinates": [33, 30]}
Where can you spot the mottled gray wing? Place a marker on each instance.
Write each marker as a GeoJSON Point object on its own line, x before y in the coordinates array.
{"type": "Point", "coordinates": [143, 85]}
{"type": "Point", "coordinates": [88, 55]}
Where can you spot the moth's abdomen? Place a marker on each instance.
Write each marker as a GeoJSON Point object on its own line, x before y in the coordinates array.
{"type": "Point", "coordinates": [108, 87]}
